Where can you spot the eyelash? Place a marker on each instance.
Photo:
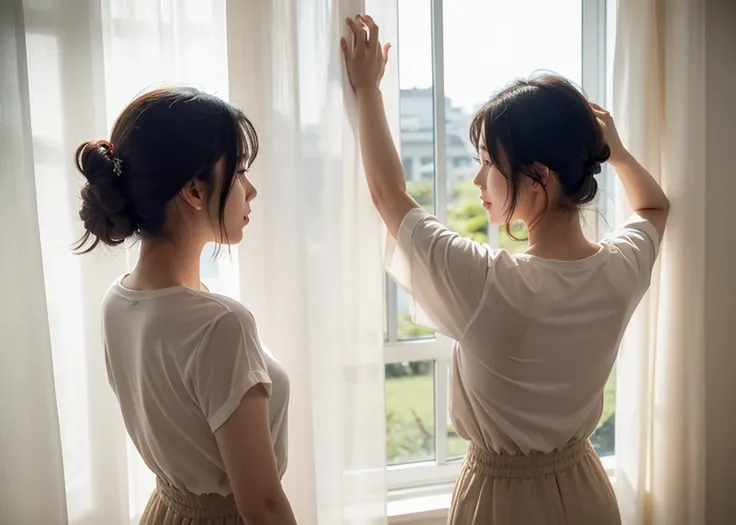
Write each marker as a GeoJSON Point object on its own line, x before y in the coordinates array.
{"type": "Point", "coordinates": [486, 162]}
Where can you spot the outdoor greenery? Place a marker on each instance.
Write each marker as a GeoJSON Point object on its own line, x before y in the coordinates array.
{"type": "Point", "coordinates": [410, 417]}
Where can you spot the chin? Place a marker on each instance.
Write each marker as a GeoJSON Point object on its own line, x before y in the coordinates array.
{"type": "Point", "coordinates": [234, 237]}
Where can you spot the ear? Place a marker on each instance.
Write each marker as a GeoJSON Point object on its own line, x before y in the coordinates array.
{"type": "Point", "coordinates": [535, 177]}
{"type": "Point", "coordinates": [194, 193]}
{"type": "Point", "coordinates": [544, 174]}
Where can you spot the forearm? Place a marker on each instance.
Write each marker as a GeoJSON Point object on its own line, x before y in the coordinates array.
{"type": "Point", "coordinates": [642, 191]}
{"type": "Point", "coordinates": [383, 168]}
{"type": "Point", "coordinates": [275, 511]}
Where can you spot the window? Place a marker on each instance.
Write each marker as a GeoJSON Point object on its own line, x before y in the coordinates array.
{"type": "Point", "coordinates": [452, 58]}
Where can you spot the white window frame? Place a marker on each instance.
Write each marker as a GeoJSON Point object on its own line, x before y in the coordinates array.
{"type": "Point", "coordinates": [429, 475]}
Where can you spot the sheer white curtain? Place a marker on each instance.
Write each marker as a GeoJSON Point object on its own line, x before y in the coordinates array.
{"type": "Point", "coordinates": [659, 108]}
{"type": "Point", "coordinates": [30, 451]}
{"type": "Point", "coordinates": [309, 268]}
{"type": "Point", "coordinates": [310, 258]}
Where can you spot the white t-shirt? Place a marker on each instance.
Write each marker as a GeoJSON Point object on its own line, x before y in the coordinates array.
{"type": "Point", "coordinates": [180, 361]}
{"type": "Point", "coordinates": [536, 338]}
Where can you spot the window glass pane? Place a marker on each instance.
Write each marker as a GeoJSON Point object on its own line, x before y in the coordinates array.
{"type": "Point", "coordinates": [552, 42]}
{"type": "Point", "coordinates": [603, 439]}
{"type": "Point", "coordinates": [405, 328]}
{"type": "Point", "coordinates": [456, 446]}
{"type": "Point", "coordinates": [417, 125]}
{"type": "Point", "coordinates": [410, 412]}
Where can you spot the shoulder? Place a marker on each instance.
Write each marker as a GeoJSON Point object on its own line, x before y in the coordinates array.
{"type": "Point", "coordinates": [634, 249]}
{"type": "Point", "coordinates": [180, 309]}
{"type": "Point", "coordinates": [422, 233]}
{"type": "Point", "coordinates": [218, 310]}
{"type": "Point", "coordinates": [228, 333]}
{"type": "Point", "coordinates": [637, 233]}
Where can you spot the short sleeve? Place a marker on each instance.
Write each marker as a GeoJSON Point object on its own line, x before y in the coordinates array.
{"type": "Point", "coordinates": [637, 241]}
{"type": "Point", "coordinates": [228, 363]}
{"type": "Point", "coordinates": [444, 273]}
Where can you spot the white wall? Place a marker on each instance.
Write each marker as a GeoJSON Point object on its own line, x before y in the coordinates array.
{"type": "Point", "coordinates": [720, 238]}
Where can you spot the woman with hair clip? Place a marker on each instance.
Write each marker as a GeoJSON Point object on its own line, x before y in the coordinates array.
{"type": "Point", "coordinates": [204, 403]}
{"type": "Point", "coordinates": [537, 332]}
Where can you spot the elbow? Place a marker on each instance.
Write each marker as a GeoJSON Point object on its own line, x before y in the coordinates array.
{"type": "Point", "coordinates": [666, 205]}
{"type": "Point", "coordinates": [664, 209]}
{"type": "Point", "coordinates": [661, 207]}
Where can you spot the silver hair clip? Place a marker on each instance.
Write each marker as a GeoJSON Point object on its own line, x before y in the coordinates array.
{"type": "Point", "coordinates": [117, 165]}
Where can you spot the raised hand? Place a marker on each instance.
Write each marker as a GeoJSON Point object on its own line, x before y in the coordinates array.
{"type": "Point", "coordinates": [610, 134]}
{"type": "Point", "coordinates": [365, 57]}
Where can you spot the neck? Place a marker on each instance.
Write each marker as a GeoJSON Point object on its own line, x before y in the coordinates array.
{"type": "Point", "coordinates": [559, 234]}
{"type": "Point", "coordinates": [166, 263]}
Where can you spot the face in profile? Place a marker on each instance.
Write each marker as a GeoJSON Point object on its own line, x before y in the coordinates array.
{"type": "Point", "coordinates": [545, 148]}
{"type": "Point", "coordinates": [494, 188]}
{"type": "Point", "coordinates": [237, 206]}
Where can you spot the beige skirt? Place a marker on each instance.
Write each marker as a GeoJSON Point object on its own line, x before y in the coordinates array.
{"type": "Point", "coordinates": [170, 506]}
{"type": "Point", "coordinates": [567, 487]}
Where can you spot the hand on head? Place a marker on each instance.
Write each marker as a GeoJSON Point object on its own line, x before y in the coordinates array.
{"type": "Point", "coordinates": [365, 57]}
{"type": "Point", "coordinates": [610, 133]}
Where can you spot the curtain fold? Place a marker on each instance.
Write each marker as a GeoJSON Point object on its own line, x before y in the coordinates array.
{"type": "Point", "coordinates": [309, 268]}
{"type": "Point", "coordinates": [31, 469]}
{"type": "Point", "coordinates": [310, 263]}
{"type": "Point", "coordinates": [658, 93]}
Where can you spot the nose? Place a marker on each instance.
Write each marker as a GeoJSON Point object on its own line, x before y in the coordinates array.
{"type": "Point", "coordinates": [480, 179]}
{"type": "Point", "coordinates": [250, 192]}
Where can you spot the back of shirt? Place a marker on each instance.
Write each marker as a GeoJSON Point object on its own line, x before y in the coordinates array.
{"type": "Point", "coordinates": [536, 338]}
{"type": "Point", "coordinates": [180, 361]}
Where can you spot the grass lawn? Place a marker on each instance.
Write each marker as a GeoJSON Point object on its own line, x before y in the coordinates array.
{"type": "Point", "coordinates": [410, 418]}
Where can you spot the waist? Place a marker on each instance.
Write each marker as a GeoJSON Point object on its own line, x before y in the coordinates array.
{"type": "Point", "coordinates": [197, 506]}
{"type": "Point", "coordinates": [531, 465]}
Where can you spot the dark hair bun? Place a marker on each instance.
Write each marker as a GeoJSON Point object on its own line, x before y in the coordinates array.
{"type": "Point", "coordinates": [600, 156]}
{"type": "Point", "coordinates": [588, 184]}
{"type": "Point", "coordinates": [105, 210]}
{"type": "Point", "coordinates": [587, 192]}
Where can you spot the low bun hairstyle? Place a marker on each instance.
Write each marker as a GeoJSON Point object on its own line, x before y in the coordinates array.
{"type": "Point", "coordinates": [105, 211]}
{"type": "Point", "coordinates": [160, 142]}
{"type": "Point", "coordinates": [544, 120]}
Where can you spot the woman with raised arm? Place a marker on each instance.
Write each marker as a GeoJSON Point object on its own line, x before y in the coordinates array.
{"type": "Point", "coordinates": [537, 332]}
{"type": "Point", "coordinates": [203, 402]}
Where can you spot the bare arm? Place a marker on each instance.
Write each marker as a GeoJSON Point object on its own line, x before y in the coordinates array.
{"type": "Point", "coordinates": [643, 192]}
{"type": "Point", "coordinates": [245, 444]}
{"type": "Point", "coordinates": [366, 61]}
{"type": "Point", "coordinates": [645, 195]}
{"type": "Point", "coordinates": [383, 168]}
